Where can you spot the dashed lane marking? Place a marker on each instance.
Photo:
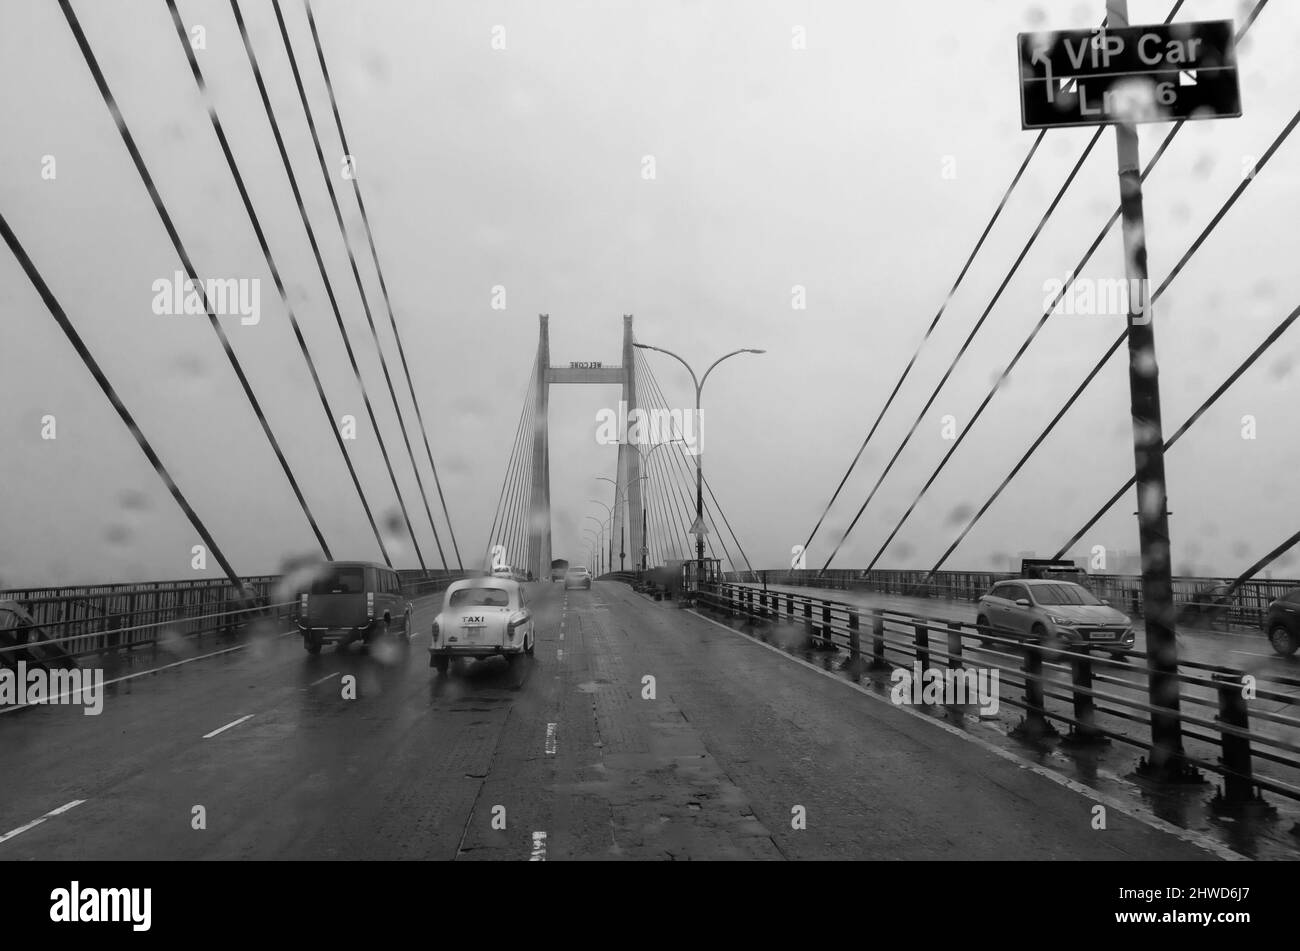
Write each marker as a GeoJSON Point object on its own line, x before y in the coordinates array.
{"type": "Point", "coordinates": [539, 847]}
{"type": "Point", "coordinates": [1140, 815]}
{"type": "Point", "coordinates": [35, 822]}
{"type": "Point", "coordinates": [550, 739]}
{"type": "Point", "coordinates": [323, 679]}
{"type": "Point", "coordinates": [223, 729]}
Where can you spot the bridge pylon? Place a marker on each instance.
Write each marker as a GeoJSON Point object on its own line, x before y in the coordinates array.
{"type": "Point", "coordinates": [625, 531]}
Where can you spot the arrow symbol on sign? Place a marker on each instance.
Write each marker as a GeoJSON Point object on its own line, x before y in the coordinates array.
{"type": "Point", "coordinates": [1040, 57]}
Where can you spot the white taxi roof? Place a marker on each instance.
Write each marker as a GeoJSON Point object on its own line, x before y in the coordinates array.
{"type": "Point", "coordinates": [486, 581]}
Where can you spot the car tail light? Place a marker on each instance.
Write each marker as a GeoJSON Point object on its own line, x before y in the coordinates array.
{"type": "Point", "coordinates": [436, 632]}
{"type": "Point", "coordinates": [370, 604]}
{"type": "Point", "coordinates": [513, 626]}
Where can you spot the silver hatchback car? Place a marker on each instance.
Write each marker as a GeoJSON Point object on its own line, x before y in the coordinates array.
{"type": "Point", "coordinates": [1057, 614]}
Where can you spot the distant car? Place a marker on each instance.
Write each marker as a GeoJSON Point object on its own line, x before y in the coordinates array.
{"type": "Point", "coordinates": [502, 571]}
{"type": "Point", "coordinates": [351, 600]}
{"type": "Point", "coordinates": [1208, 605]}
{"type": "Point", "coordinates": [577, 578]}
{"type": "Point", "coordinates": [482, 617]}
{"type": "Point", "coordinates": [1057, 614]}
{"type": "Point", "coordinates": [1282, 623]}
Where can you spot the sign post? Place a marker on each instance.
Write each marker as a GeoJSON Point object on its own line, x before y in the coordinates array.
{"type": "Point", "coordinates": [1122, 75]}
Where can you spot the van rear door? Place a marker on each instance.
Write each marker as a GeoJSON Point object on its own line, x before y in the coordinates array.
{"type": "Point", "coordinates": [337, 598]}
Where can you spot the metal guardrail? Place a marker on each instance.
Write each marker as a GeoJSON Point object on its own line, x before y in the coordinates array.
{"type": "Point", "coordinates": [1081, 688]}
{"type": "Point", "coordinates": [96, 619]}
{"type": "Point", "coordinates": [1193, 597]}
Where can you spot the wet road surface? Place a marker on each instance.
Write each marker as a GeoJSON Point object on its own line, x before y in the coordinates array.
{"type": "Point", "coordinates": [639, 730]}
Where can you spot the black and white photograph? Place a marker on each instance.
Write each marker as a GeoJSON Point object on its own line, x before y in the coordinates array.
{"type": "Point", "coordinates": [642, 432]}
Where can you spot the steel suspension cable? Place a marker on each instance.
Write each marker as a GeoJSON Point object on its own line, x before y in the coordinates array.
{"type": "Point", "coordinates": [156, 198]}
{"type": "Point", "coordinates": [217, 127]}
{"type": "Point", "coordinates": [1209, 401]}
{"type": "Point", "coordinates": [61, 318]}
{"type": "Point", "coordinates": [324, 274]}
{"type": "Point", "coordinates": [356, 275]}
{"type": "Point", "coordinates": [383, 285]}
{"type": "Point", "coordinates": [1006, 372]}
{"type": "Point", "coordinates": [979, 324]}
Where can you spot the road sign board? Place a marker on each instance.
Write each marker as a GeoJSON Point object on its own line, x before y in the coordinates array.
{"type": "Point", "coordinates": [1135, 74]}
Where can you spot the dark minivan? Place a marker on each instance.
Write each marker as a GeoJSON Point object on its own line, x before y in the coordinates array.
{"type": "Point", "coordinates": [351, 600]}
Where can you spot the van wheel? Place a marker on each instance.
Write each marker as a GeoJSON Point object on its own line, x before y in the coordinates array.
{"type": "Point", "coordinates": [313, 646]}
{"type": "Point", "coordinates": [440, 664]}
{"type": "Point", "coordinates": [1283, 641]}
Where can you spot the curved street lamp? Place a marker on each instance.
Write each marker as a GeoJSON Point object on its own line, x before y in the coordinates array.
{"type": "Point", "coordinates": [593, 546]}
{"type": "Point", "coordinates": [610, 509]}
{"type": "Point", "coordinates": [699, 454]}
{"type": "Point", "coordinates": [600, 538]}
{"type": "Point", "coordinates": [591, 550]}
{"type": "Point", "coordinates": [645, 465]}
{"type": "Point", "coordinates": [622, 499]}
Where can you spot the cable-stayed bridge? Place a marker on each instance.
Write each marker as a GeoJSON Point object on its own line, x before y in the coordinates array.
{"type": "Point", "coordinates": [692, 702]}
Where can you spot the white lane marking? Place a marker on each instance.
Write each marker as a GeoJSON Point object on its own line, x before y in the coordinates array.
{"type": "Point", "coordinates": [35, 822]}
{"type": "Point", "coordinates": [155, 670]}
{"type": "Point", "coordinates": [561, 635]}
{"type": "Point", "coordinates": [1140, 815]}
{"type": "Point", "coordinates": [1253, 654]}
{"type": "Point", "coordinates": [539, 847]}
{"type": "Point", "coordinates": [559, 653]}
{"type": "Point", "coordinates": [550, 739]}
{"type": "Point", "coordinates": [323, 679]}
{"type": "Point", "coordinates": [223, 729]}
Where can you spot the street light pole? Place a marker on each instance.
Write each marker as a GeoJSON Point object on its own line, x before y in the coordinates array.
{"type": "Point", "coordinates": [620, 500]}
{"type": "Point", "coordinates": [645, 529]}
{"type": "Point", "coordinates": [602, 526]}
{"type": "Point", "coordinates": [699, 449]}
{"type": "Point", "coordinates": [610, 510]}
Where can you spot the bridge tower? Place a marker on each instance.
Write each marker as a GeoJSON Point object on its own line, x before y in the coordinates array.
{"type": "Point", "coordinates": [628, 497]}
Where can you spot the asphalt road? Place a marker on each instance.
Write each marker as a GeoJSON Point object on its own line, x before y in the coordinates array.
{"type": "Point", "coordinates": [639, 730]}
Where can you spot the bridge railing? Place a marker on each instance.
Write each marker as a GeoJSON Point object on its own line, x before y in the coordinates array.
{"type": "Point", "coordinates": [96, 619]}
{"type": "Point", "coordinates": [1197, 600]}
{"type": "Point", "coordinates": [1096, 699]}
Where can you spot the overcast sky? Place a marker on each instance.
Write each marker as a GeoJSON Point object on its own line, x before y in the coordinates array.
{"type": "Point", "coordinates": [861, 168]}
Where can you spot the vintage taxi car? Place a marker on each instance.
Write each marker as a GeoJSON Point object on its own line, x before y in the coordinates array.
{"type": "Point", "coordinates": [482, 617]}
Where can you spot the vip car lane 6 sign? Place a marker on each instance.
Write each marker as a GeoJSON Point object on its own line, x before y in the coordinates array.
{"type": "Point", "coordinates": [1134, 74]}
